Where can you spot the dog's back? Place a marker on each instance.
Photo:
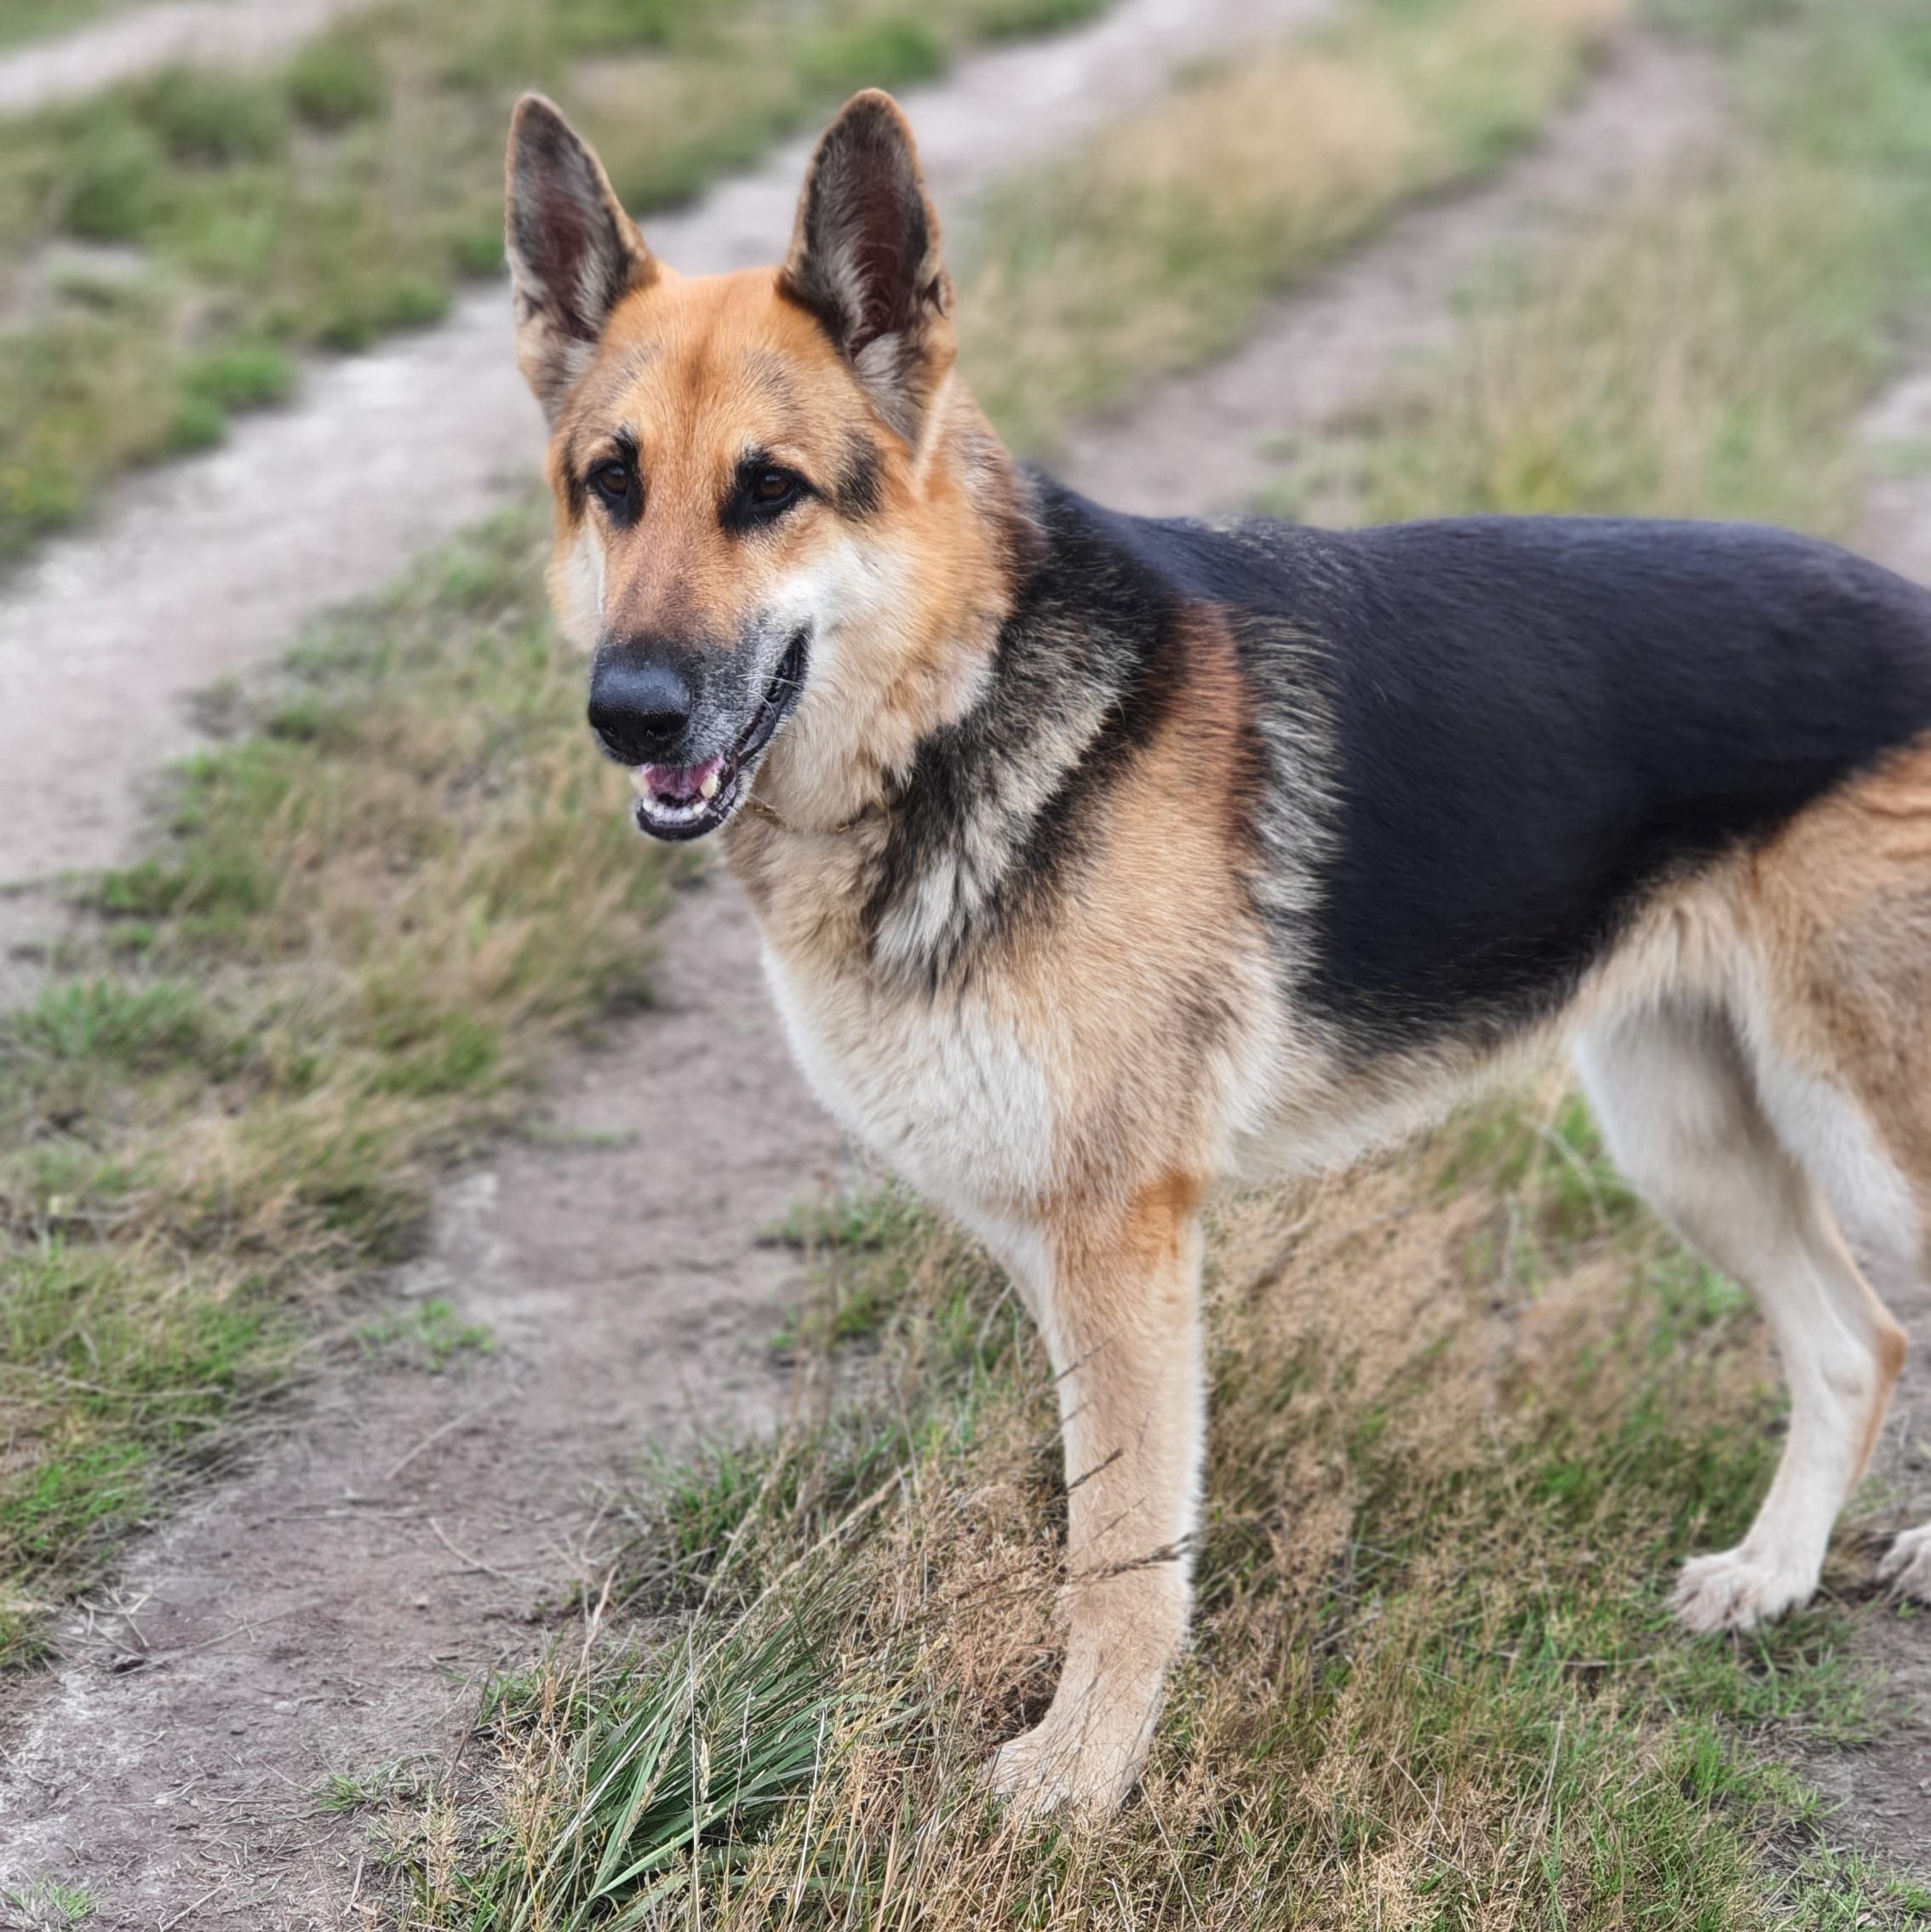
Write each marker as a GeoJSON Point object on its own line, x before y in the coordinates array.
{"type": "Point", "coordinates": [1530, 722]}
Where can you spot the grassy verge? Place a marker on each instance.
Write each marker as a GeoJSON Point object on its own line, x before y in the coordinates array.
{"type": "Point", "coordinates": [1155, 246]}
{"type": "Point", "coordinates": [178, 241]}
{"type": "Point", "coordinates": [40, 20]}
{"type": "Point", "coordinates": [338, 971]}
{"type": "Point", "coordinates": [1435, 1683]}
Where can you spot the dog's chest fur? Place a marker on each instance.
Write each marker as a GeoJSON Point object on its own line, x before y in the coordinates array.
{"type": "Point", "coordinates": [958, 1095]}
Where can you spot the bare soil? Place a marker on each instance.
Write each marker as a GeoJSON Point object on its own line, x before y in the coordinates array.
{"type": "Point", "coordinates": [228, 33]}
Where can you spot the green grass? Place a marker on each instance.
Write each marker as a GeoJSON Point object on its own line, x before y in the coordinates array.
{"type": "Point", "coordinates": [429, 1333]}
{"type": "Point", "coordinates": [23, 20]}
{"type": "Point", "coordinates": [1154, 246]}
{"type": "Point", "coordinates": [348, 193]}
{"type": "Point", "coordinates": [336, 971]}
{"type": "Point", "coordinates": [345, 1792]}
{"type": "Point", "coordinates": [1435, 1682]}
{"type": "Point", "coordinates": [51, 1904]}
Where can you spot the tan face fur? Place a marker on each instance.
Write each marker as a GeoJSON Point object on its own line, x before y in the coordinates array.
{"type": "Point", "coordinates": [887, 550]}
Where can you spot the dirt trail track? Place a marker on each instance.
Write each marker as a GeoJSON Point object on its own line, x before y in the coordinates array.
{"type": "Point", "coordinates": [206, 570]}
{"type": "Point", "coordinates": [320, 1612]}
{"type": "Point", "coordinates": [1203, 442]}
{"type": "Point", "coordinates": [235, 32]}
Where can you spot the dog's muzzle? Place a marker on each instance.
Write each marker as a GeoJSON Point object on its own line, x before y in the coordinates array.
{"type": "Point", "coordinates": [647, 708]}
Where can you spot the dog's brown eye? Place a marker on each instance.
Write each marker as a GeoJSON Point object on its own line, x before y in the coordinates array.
{"type": "Point", "coordinates": [760, 495]}
{"type": "Point", "coordinates": [611, 481]}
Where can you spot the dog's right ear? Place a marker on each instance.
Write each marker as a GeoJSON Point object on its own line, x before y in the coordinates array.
{"type": "Point", "coordinates": [573, 254]}
{"type": "Point", "coordinates": [865, 259]}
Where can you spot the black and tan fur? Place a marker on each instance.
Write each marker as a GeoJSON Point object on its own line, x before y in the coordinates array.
{"type": "Point", "coordinates": [1097, 859]}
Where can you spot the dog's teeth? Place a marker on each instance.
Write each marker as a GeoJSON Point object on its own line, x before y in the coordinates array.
{"type": "Point", "coordinates": [709, 788]}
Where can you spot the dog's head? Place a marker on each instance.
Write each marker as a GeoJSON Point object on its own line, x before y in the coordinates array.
{"type": "Point", "coordinates": [771, 508]}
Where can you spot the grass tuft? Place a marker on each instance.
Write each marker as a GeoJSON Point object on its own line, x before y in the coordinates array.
{"type": "Point", "coordinates": [430, 1333]}
{"type": "Point", "coordinates": [336, 79]}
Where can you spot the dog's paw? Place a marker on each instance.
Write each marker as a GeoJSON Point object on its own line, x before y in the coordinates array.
{"type": "Point", "coordinates": [1736, 1591]}
{"type": "Point", "coordinates": [1069, 1768]}
{"type": "Point", "coordinates": [1907, 1564]}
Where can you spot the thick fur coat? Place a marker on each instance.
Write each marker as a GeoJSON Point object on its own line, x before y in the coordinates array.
{"type": "Point", "coordinates": [1097, 859]}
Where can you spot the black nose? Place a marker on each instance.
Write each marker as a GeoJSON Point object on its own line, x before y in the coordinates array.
{"type": "Point", "coordinates": [640, 705]}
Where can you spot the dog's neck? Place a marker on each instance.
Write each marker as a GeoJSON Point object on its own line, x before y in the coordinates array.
{"type": "Point", "coordinates": [913, 859]}
{"type": "Point", "coordinates": [915, 616]}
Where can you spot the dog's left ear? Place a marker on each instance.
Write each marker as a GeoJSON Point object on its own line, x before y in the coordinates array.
{"type": "Point", "coordinates": [865, 260]}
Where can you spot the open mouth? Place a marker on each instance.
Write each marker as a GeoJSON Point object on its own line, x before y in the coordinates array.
{"type": "Point", "coordinates": [685, 802]}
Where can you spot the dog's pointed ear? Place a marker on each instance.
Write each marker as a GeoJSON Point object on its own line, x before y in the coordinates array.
{"type": "Point", "coordinates": [865, 260]}
{"type": "Point", "coordinates": [573, 254]}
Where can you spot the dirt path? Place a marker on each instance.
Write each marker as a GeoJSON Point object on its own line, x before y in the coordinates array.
{"type": "Point", "coordinates": [230, 32]}
{"type": "Point", "coordinates": [321, 1613]}
{"type": "Point", "coordinates": [1205, 441]}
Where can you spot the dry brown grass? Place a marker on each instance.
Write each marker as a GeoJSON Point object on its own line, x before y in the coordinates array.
{"type": "Point", "coordinates": [1468, 1409]}
{"type": "Point", "coordinates": [1703, 349]}
{"type": "Point", "coordinates": [1155, 246]}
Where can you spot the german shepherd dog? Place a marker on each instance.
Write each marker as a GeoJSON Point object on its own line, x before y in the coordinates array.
{"type": "Point", "coordinates": [1097, 858]}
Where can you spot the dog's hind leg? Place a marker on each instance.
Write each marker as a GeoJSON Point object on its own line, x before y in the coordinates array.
{"type": "Point", "coordinates": [1679, 1103]}
{"type": "Point", "coordinates": [1874, 1205]}
{"type": "Point", "coordinates": [1839, 910]}
{"type": "Point", "coordinates": [1117, 1296]}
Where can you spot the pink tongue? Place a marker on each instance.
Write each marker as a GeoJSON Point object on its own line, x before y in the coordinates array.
{"type": "Point", "coordinates": [680, 782]}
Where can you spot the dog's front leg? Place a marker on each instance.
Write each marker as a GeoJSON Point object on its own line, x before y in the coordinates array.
{"type": "Point", "coordinates": [1118, 1299]}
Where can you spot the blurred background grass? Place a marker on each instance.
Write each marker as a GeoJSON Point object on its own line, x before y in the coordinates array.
{"type": "Point", "coordinates": [24, 21]}
{"type": "Point", "coordinates": [174, 243]}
